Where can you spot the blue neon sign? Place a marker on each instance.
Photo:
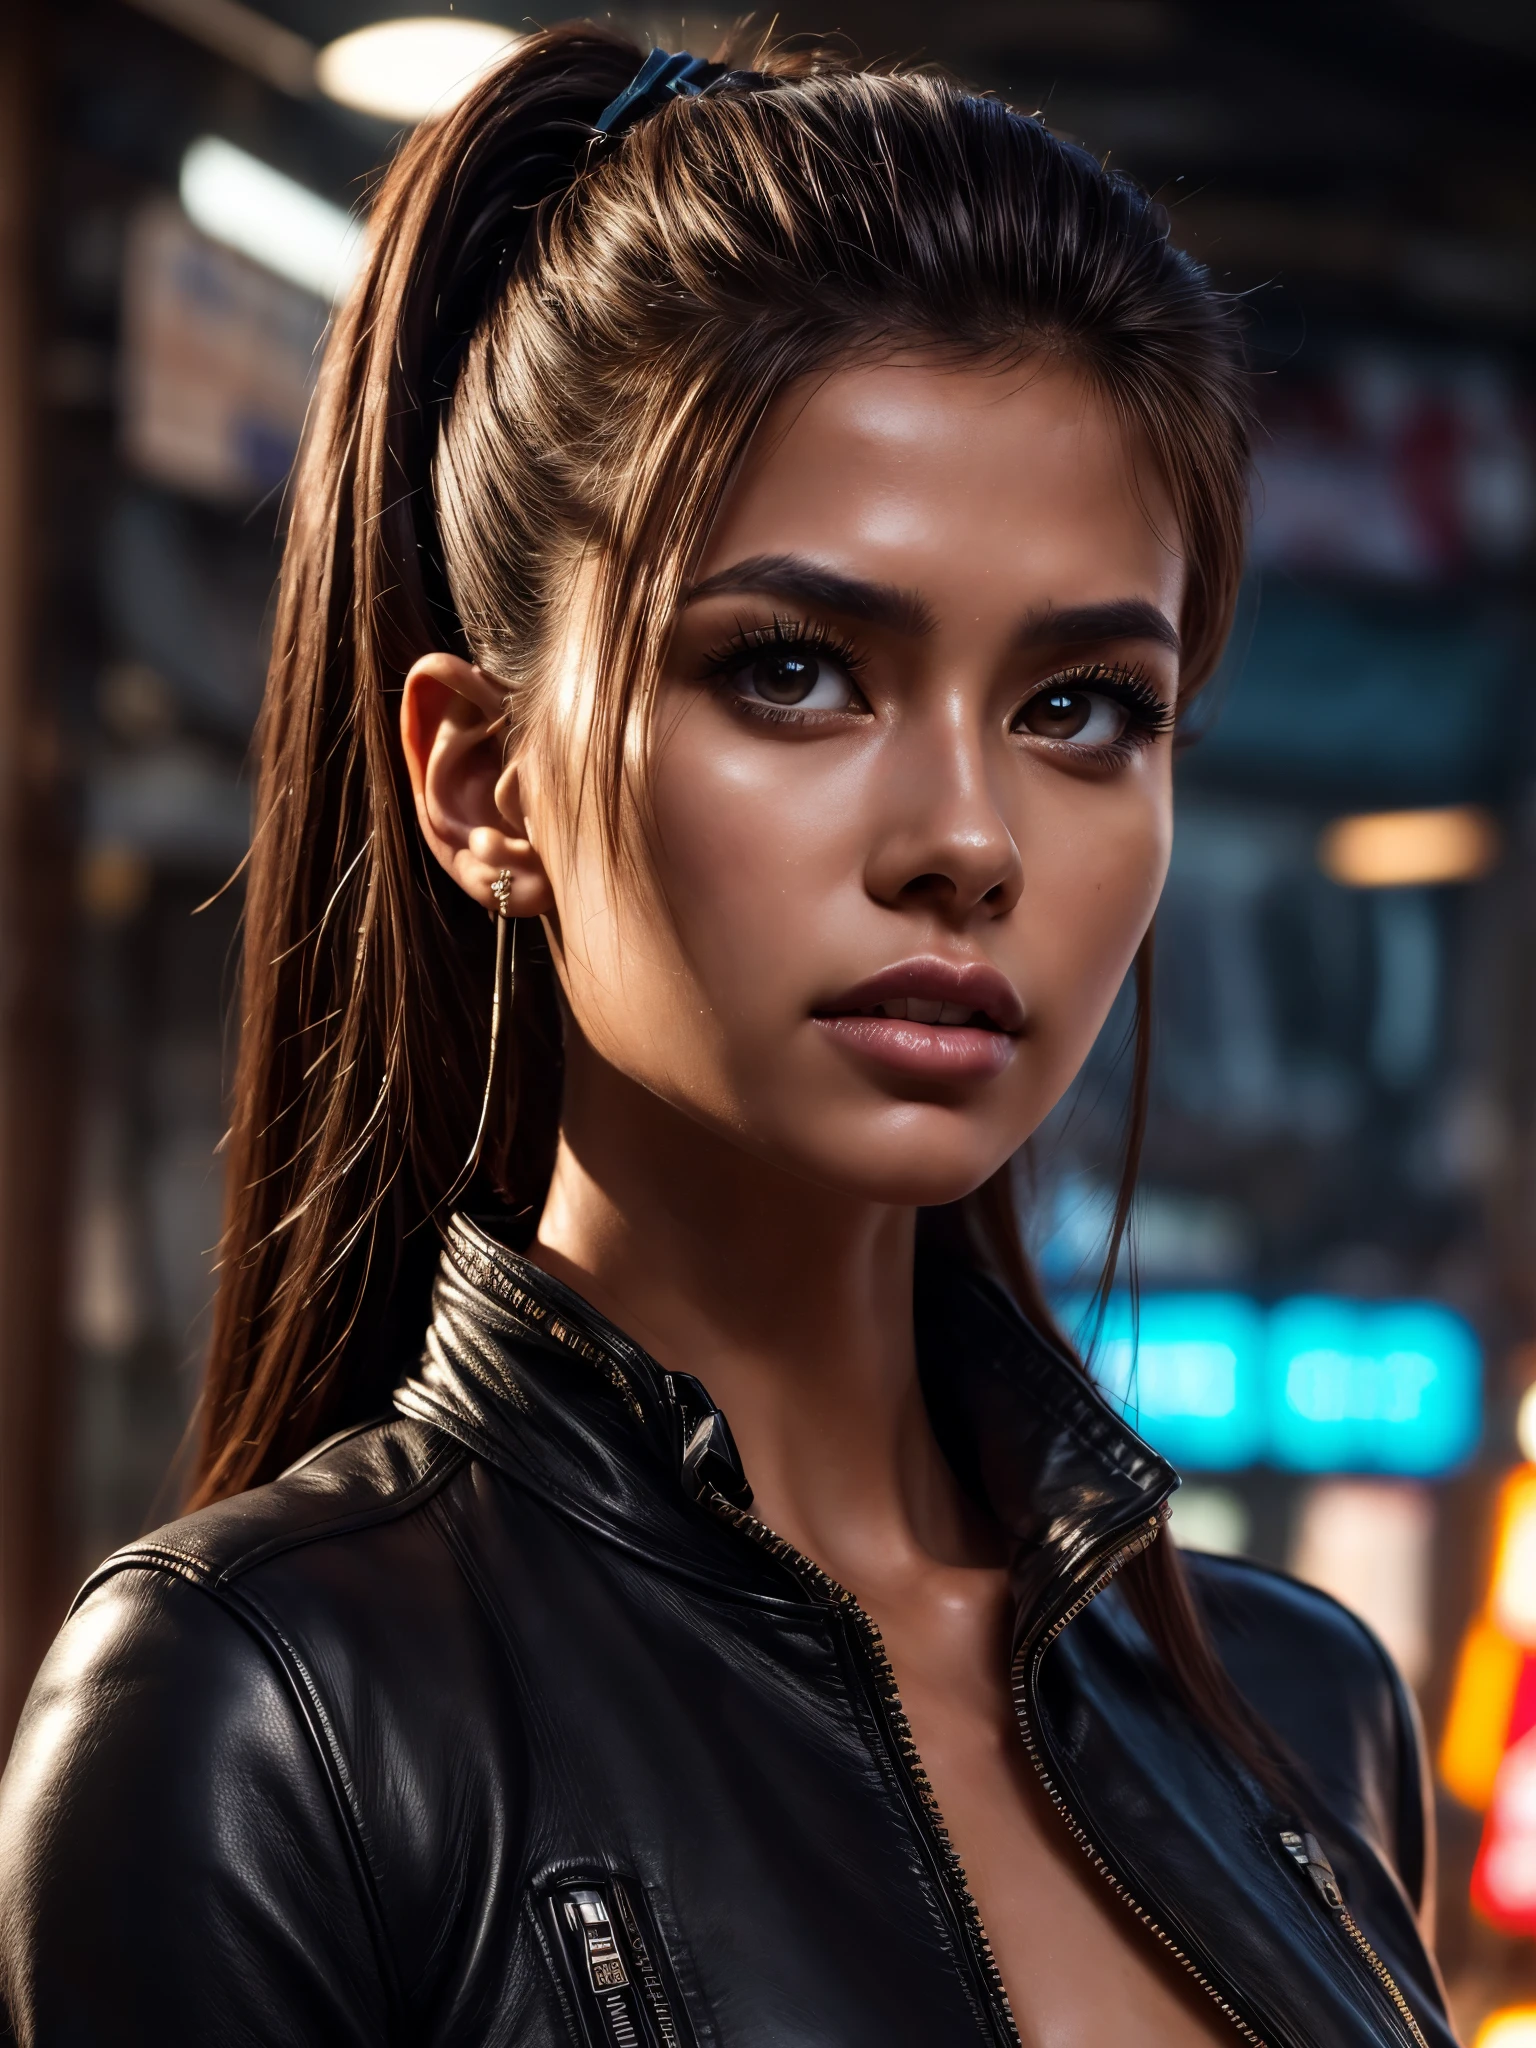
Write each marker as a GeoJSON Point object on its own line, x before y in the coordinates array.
{"type": "Point", "coordinates": [1191, 1383]}
{"type": "Point", "coordinates": [1371, 1386]}
{"type": "Point", "coordinates": [1316, 1384]}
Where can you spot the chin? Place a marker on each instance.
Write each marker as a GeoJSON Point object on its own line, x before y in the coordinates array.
{"type": "Point", "coordinates": [908, 1169]}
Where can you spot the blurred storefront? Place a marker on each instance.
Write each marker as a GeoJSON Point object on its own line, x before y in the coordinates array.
{"type": "Point", "coordinates": [1336, 1237]}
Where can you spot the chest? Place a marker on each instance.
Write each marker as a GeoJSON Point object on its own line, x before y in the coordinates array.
{"type": "Point", "coordinates": [1081, 1965]}
{"type": "Point", "coordinates": [761, 1809]}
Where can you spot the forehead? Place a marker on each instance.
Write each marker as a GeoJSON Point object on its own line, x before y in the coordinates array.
{"type": "Point", "coordinates": [981, 487]}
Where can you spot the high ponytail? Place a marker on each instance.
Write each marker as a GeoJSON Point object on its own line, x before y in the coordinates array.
{"type": "Point", "coordinates": [364, 997]}
{"type": "Point", "coordinates": [558, 351]}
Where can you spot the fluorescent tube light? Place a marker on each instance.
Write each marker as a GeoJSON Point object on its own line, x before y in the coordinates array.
{"type": "Point", "coordinates": [404, 70]}
{"type": "Point", "coordinates": [271, 218]}
{"type": "Point", "coordinates": [1395, 849]}
{"type": "Point", "coordinates": [243, 35]}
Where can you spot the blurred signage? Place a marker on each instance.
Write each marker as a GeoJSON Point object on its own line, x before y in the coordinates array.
{"type": "Point", "coordinates": [1315, 1384]}
{"type": "Point", "coordinates": [1397, 468]}
{"type": "Point", "coordinates": [1488, 1750]}
{"type": "Point", "coordinates": [1368, 1542]}
{"type": "Point", "coordinates": [219, 361]}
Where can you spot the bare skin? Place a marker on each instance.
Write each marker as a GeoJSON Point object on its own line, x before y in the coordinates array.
{"type": "Point", "coordinates": [950, 755]}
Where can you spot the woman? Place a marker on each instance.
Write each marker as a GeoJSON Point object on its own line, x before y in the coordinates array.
{"type": "Point", "coordinates": [756, 535]}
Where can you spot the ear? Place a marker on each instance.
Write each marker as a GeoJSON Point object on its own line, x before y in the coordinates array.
{"type": "Point", "coordinates": [468, 799]}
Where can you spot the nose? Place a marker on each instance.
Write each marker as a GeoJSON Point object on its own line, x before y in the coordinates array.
{"type": "Point", "coordinates": [943, 843]}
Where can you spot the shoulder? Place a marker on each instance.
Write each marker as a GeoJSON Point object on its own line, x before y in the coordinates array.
{"type": "Point", "coordinates": [368, 1477]}
{"type": "Point", "coordinates": [167, 1812]}
{"type": "Point", "coordinates": [1326, 1686]}
{"type": "Point", "coordinates": [312, 1567]}
{"type": "Point", "coordinates": [206, 1637]}
{"type": "Point", "coordinates": [217, 1702]}
{"type": "Point", "coordinates": [339, 1579]}
{"type": "Point", "coordinates": [195, 1638]}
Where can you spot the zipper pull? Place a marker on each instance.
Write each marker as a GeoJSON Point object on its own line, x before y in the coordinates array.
{"type": "Point", "coordinates": [587, 1913]}
{"type": "Point", "coordinates": [710, 1459]}
{"type": "Point", "coordinates": [1307, 1851]}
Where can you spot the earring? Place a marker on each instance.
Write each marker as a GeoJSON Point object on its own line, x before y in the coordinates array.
{"type": "Point", "coordinates": [503, 987]}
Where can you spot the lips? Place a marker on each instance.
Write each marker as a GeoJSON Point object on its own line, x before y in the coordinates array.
{"type": "Point", "coordinates": [934, 991]}
{"type": "Point", "coordinates": [932, 1018]}
{"type": "Point", "coordinates": [919, 1010]}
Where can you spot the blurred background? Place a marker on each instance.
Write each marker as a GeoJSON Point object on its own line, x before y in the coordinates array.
{"type": "Point", "coordinates": [1336, 1235]}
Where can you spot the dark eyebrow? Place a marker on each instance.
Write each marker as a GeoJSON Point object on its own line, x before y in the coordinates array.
{"type": "Point", "coordinates": [1126, 618]}
{"type": "Point", "coordinates": [881, 604]}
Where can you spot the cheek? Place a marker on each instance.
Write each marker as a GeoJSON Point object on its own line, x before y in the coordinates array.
{"type": "Point", "coordinates": [756, 849]}
{"type": "Point", "coordinates": [688, 984]}
{"type": "Point", "coordinates": [1093, 876]}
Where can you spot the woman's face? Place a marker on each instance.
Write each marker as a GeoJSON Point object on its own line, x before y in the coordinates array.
{"type": "Point", "coordinates": [911, 782]}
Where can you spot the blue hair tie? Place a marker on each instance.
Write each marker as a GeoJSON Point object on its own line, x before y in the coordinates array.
{"type": "Point", "coordinates": [661, 77]}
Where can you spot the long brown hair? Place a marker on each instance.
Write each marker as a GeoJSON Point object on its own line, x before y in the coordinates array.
{"type": "Point", "coordinates": [558, 349]}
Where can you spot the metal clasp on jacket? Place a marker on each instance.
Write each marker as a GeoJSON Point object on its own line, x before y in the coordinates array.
{"type": "Point", "coordinates": [1308, 1852]}
{"type": "Point", "coordinates": [587, 1913]}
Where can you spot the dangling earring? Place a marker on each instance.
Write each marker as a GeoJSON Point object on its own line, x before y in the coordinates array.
{"type": "Point", "coordinates": [503, 986]}
{"type": "Point", "coordinates": [504, 978]}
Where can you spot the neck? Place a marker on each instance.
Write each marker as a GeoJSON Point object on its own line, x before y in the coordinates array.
{"type": "Point", "coordinates": [791, 1302]}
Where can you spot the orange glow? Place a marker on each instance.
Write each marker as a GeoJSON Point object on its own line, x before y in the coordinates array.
{"type": "Point", "coordinates": [1477, 1724]}
{"type": "Point", "coordinates": [1498, 1656]}
{"type": "Point", "coordinates": [1513, 2027]}
{"type": "Point", "coordinates": [1393, 849]}
{"type": "Point", "coordinates": [1512, 1596]}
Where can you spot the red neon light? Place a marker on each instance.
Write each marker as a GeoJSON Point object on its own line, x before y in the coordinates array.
{"type": "Point", "coordinates": [1504, 1876]}
{"type": "Point", "coordinates": [1522, 1712]}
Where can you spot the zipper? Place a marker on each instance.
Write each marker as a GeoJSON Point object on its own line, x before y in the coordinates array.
{"type": "Point", "coordinates": [1022, 1678]}
{"type": "Point", "coordinates": [650, 1979]}
{"type": "Point", "coordinates": [610, 1966]}
{"type": "Point", "coordinates": [1022, 1682]}
{"type": "Point", "coordinates": [952, 1873]}
{"type": "Point", "coordinates": [1306, 1852]}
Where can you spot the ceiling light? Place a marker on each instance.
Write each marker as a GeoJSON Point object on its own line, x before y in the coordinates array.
{"type": "Point", "coordinates": [271, 218]}
{"type": "Point", "coordinates": [1392, 849]}
{"type": "Point", "coordinates": [404, 70]}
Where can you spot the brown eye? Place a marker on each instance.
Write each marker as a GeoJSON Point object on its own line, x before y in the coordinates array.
{"type": "Point", "coordinates": [1088, 716]}
{"type": "Point", "coordinates": [795, 677]}
{"type": "Point", "coordinates": [785, 678]}
{"type": "Point", "coordinates": [1057, 714]}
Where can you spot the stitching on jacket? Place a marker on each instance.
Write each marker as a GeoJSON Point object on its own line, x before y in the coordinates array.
{"type": "Point", "coordinates": [569, 1509]}
{"type": "Point", "coordinates": [333, 1765]}
{"type": "Point", "coordinates": [289, 1667]}
{"type": "Point", "coordinates": [442, 1462]}
{"type": "Point", "coordinates": [477, 1257]}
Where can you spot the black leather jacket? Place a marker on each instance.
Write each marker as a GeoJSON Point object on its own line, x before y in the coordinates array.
{"type": "Point", "coordinates": [503, 1722]}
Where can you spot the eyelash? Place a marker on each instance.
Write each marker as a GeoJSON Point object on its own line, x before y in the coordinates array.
{"type": "Point", "coordinates": [784, 636]}
{"type": "Point", "coordinates": [1149, 714]}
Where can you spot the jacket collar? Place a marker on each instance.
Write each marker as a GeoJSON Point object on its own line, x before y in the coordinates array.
{"type": "Point", "coordinates": [530, 1377]}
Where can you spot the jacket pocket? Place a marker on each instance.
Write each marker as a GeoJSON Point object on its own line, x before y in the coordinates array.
{"type": "Point", "coordinates": [616, 1975]}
